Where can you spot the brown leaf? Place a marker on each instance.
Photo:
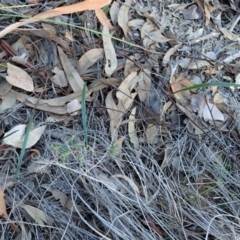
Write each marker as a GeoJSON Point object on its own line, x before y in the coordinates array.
{"type": "Point", "coordinates": [88, 59]}
{"type": "Point", "coordinates": [158, 37]}
{"type": "Point", "coordinates": [103, 19]}
{"type": "Point", "coordinates": [73, 76]}
{"type": "Point", "coordinates": [3, 211]}
{"type": "Point", "coordinates": [110, 54]}
{"type": "Point", "coordinates": [114, 114]}
{"type": "Point", "coordinates": [114, 12]}
{"type": "Point", "coordinates": [152, 134]}
{"type": "Point", "coordinates": [65, 201]}
{"type": "Point", "coordinates": [55, 105]}
{"type": "Point", "coordinates": [123, 16]}
{"type": "Point", "coordinates": [82, 6]}
{"type": "Point", "coordinates": [130, 181]}
{"type": "Point", "coordinates": [131, 129]}
{"type": "Point", "coordinates": [8, 101]}
{"type": "Point", "coordinates": [16, 135]}
{"type": "Point", "coordinates": [38, 215]}
{"type": "Point", "coordinates": [144, 84]}
{"type": "Point", "coordinates": [19, 78]}
{"type": "Point", "coordinates": [59, 78]}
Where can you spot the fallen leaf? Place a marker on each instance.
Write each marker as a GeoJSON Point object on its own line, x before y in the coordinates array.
{"type": "Point", "coordinates": [158, 37]}
{"type": "Point", "coordinates": [8, 101]}
{"type": "Point", "coordinates": [88, 59]}
{"type": "Point", "coordinates": [54, 105]}
{"type": "Point", "coordinates": [110, 54]}
{"type": "Point", "coordinates": [16, 135]}
{"type": "Point", "coordinates": [73, 107]}
{"type": "Point", "coordinates": [131, 129]}
{"type": "Point", "coordinates": [130, 181]}
{"type": "Point", "coordinates": [192, 13]}
{"type": "Point", "coordinates": [49, 28]}
{"type": "Point", "coordinates": [82, 6]}
{"type": "Point", "coordinates": [114, 9]}
{"type": "Point", "coordinates": [218, 99]}
{"type": "Point", "coordinates": [193, 63]}
{"type": "Point", "coordinates": [123, 16]}
{"type": "Point", "coordinates": [73, 76]}
{"type": "Point", "coordinates": [103, 19]}
{"type": "Point", "coordinates": [22, 59]}
{"type": "Point", "coordinates": [136, 23]}
{"type": "Point", "coordinates": [44, 34]}
{"type": "Point", "coordinates": [114, 114]}
{"type": "Point", "coordinates": [144, 84]}
{"type": "Point", "coordinates": [152, 134]}
{"type": "Point", "coordinates": [37, 215]}
{"type": "Point", "coordinates": [124, 95]}
{"type": "Point", "coordinates": [169, 53]}
{"type": "Point", "coordinates": [65, 201]}
{"type": "Point", "coordinates": [211, 112]}
{"type": "Point", "coordinates": [3, 212]}
{"type": "Point", "coordinates": [4, 86]}
{"type": "Point", "coordinates": [19, 78]}
{"type": "Point", "coordinates": [59, 78]}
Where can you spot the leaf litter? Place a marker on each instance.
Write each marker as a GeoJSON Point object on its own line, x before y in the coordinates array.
{"type": "Point", "coordinates": [141, 127]}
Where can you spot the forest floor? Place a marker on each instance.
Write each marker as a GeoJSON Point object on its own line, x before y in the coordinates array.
{"type": "Point", "coordinates": [96, 140]}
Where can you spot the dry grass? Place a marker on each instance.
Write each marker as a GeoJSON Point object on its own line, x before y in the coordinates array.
{"type": "Point", "coordinates": [188, 183]}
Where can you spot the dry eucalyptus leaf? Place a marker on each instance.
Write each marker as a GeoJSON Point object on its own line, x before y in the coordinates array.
{"type": "Point", "coordinates": [54, 105]}
{"type": "Point", "coordinates": [73, 76]}
{"type": "Point", "coordinates": [110, 54]}
{"type": "Point", "coordinates": [114, 12]}
{"type": "Point", "coordinates": [78, 7]}
{"type": "Point", "coordinates": [8, 101]}
{"type": "Point", "coordinates": [38, 215]}
{"type": "Point", "coordinates": [123, 17]}
{"type": "Point", "coordinates": [65, 201]}
{"type": "Point", "coordinates": [136, 23]}
{"type": "Point", "coordinates": [19, 78]}
{"type": "Point", "coordinates": [103, 19]}
{"type": "Point", "coordinates": [49, 28]}
{"type": "Point", "coordinates": [131, 129]}
{"type": "Point", "coordinates": [114, 114]}
{"type": "Point", "coordinates": [192, 63]}
{"type": "Point", "coordinates": [144, 84]}
{"type": "Point", "coordinates": [192, 13]}
{"type": "Point", "coordinates": [158, 37]}
{"type": "Point", "coordinates": [16, 135]}
{"type": "Point", "coordinates": [3, 211]}
{"type": "Point", "coordinates": [152, 134]}
{"type": "Point", "coordinates": [4, 86]}
{"type": "Point", "coordinates": [169, 53]}
{"type": "Point", "coordinates": [59, 78]}
{"type": "Point", "coordinates": [20, 46]}
{"type": "Point", "coordinates": [218, 99]}
{"type": "Point", "coordinates": [73, 107]}
{"type": "Point", "coordinates": [211, 112]}
{"type": "Point", "coordinates": [130, 181]}
{"type": "Point", "coordinates": [88, 59]}
{"type": "Point", "coordinates": [20, 59]}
